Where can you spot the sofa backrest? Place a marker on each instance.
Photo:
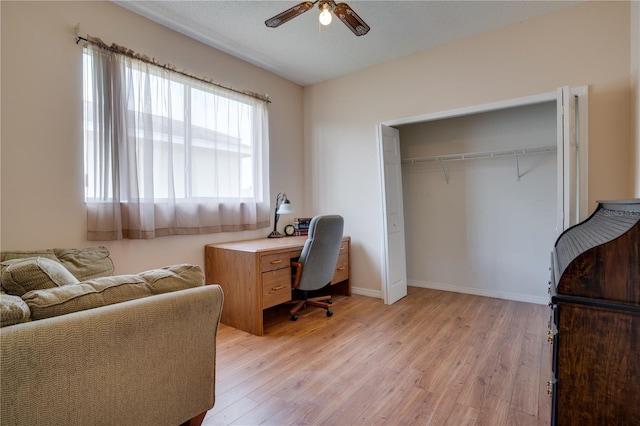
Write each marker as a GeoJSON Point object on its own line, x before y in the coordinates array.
{"type": "Point", "coordinates": [84, 264]}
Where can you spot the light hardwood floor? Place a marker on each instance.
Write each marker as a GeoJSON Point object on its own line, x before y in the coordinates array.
{"type": "Point", "coordinates": [433, 358]}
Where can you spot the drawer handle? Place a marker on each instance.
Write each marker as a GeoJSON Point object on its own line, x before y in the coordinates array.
{"type": "Point", "coordinates": [549, 388]}
{"type": "Point", "coordinates": [340, 268]}
{"type": "Point", "coordinates": [278, 288]}
{"type": "Point", "coordinates": [550, 337]}
{"type": "Point", "coordinates": [342, 247]}
{"type": "Point", "coordinates": [275, 262]}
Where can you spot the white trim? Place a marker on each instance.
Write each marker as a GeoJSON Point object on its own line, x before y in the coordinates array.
{"type": "Point", "coordinates": [582, 93]}
{"type": "Point", "coordinates": [481, 292]}
{"type": "Point", "coordinates": [475, 109]}
{"type": "Point", "coordinates": [562, 114]}
{"type": "Point", "coordinates": [366, 292]}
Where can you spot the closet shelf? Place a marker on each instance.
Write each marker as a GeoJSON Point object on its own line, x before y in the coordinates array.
{"type": "Point", "coordinates": [478, 155]}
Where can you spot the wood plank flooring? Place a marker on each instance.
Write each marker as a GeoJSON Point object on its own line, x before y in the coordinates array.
{"type": "Point", "coordinates": [433, 358]}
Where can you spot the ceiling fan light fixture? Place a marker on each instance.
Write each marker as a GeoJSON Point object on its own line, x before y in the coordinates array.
{"type": "Point", "coordinates": [325, 14]}
{"type": "Point", "coordinates": [328, 8]}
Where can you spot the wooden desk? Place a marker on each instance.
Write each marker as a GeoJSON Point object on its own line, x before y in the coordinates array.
{"type": "Point", "coordinates": [256, 275]}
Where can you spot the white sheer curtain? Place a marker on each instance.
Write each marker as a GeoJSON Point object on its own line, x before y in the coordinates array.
{"type": "Point", "coordinates": [167, 154]}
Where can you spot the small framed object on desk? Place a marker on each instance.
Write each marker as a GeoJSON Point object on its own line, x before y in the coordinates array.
{"type": "Point", "coordinates": [289, 230]}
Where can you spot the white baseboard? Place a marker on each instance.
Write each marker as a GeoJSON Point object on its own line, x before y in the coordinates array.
{"type": "Point", "coordinates": [481, 292]}
{"type": "Point", "coordinates": [459, 289]}
{"type": "Point", "coordinates": [367, 292]}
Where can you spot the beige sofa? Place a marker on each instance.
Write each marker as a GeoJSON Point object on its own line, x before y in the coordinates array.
{"type": "Point", "coordinates": [101, 349]}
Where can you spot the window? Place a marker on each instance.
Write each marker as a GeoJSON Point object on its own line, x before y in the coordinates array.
{"type": "Point", "coordinates": [169, 154]}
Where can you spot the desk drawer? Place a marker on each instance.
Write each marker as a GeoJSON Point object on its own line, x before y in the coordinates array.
{"type": "Point", "coordinates": [276, 287]}
{"type": "Point", "coordinates": [342, 268]}
{"type": "Point", "coordinates": [271, 262]}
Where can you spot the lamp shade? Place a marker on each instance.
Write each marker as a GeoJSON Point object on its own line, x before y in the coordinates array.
{"type": "Point", "coordinates": [285, 208]}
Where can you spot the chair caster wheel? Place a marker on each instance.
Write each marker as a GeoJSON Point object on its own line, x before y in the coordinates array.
{"type": "Point", "coordinates": [329, 312]}
{"type": "Point", "coordinates": [329, 301]}
{"type": "Point", "coordinates": [294, 317]}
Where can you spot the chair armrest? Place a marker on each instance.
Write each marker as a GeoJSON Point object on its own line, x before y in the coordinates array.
{"type": "Point", "coordinates": [296, 279]}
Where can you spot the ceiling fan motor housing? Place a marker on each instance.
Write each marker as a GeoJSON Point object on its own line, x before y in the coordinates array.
{"type": "Point", "coordinates": [329, 4]}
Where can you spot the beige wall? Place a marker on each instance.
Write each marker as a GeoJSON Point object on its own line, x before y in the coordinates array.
{"type": "Point", "coordinates": [588, 44]}
{"type": "Point", "coordinates": [42, 167]}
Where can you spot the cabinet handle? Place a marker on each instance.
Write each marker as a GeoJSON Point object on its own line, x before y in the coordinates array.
{"type": "Point", "coordinates": [275, 262]}
{"type": "Point", "coordinates": [277, 288]}
{"type": "Point", "coordinates": [342, 247]}
{"type": "Point", "coordinates": [549, 388]}
{"type": "Point", "coordinates": [550, 336]}
{"type": "Point", "coordinates": [340, 268]}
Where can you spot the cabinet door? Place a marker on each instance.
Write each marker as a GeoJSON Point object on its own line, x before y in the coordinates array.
{"type": "Point", "coordinates": [598, 364]}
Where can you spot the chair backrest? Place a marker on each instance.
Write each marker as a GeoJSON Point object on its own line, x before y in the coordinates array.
{"type": "Point", "coordinates": [320, 252]}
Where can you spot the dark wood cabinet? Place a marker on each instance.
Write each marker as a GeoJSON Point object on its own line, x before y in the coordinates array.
{"type": "Point", "coordinates": [595, 319]}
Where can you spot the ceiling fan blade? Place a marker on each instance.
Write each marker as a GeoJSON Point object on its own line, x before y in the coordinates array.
{"type": "Point", "coordinates": [289, 14]}
{"type": "Point", "coordinates": [351, 19]}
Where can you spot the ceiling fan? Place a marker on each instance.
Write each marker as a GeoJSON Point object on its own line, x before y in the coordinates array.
{"type": "Point", "coordinates": [342, 10]}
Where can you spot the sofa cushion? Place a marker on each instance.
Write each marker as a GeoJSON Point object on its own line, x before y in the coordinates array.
{"type": "Point", "coordinates": [86, 263]}
{"type": "Point", "coordinates": [13, 310]}
{"type": "Point", "coordinates": [109, 290]}
{"type": "Point", "coordinates": [172, 278]}
{"type": "Point", "coordinates": [19, 276]}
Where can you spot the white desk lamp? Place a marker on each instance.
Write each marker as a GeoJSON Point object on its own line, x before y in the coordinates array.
{"type": "Point", "coordinates": [283, 206]}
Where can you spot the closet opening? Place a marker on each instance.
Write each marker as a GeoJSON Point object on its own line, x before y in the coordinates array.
{"type": "Point", "coordinates": [485, 191]}
{"type": "Point", "coordinates": [480, 199]}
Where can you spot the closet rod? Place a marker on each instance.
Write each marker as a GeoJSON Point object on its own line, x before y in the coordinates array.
{"type": "Point", "coordinates": [485, 154]}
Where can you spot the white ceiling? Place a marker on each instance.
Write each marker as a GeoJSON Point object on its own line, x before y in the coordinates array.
{"type": "Point", "coordinates": [305, 53]}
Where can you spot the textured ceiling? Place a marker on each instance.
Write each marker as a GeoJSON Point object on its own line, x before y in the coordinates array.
{"type": "Point", "coordinates": [306, 53]}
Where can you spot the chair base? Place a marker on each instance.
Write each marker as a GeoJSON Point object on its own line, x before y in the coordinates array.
{"type": "Point", "coordinates": [321, 302]}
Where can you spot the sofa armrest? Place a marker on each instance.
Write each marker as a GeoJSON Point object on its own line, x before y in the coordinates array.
{"type": "Point", "coordinates": [148, 361]}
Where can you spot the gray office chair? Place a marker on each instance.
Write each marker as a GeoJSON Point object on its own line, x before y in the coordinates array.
{"type": "Point", "coordinates": [317, 262]}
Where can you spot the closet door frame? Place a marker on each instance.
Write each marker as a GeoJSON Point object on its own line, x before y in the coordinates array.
{"type": "Point", "coordinates": [572, 154]}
